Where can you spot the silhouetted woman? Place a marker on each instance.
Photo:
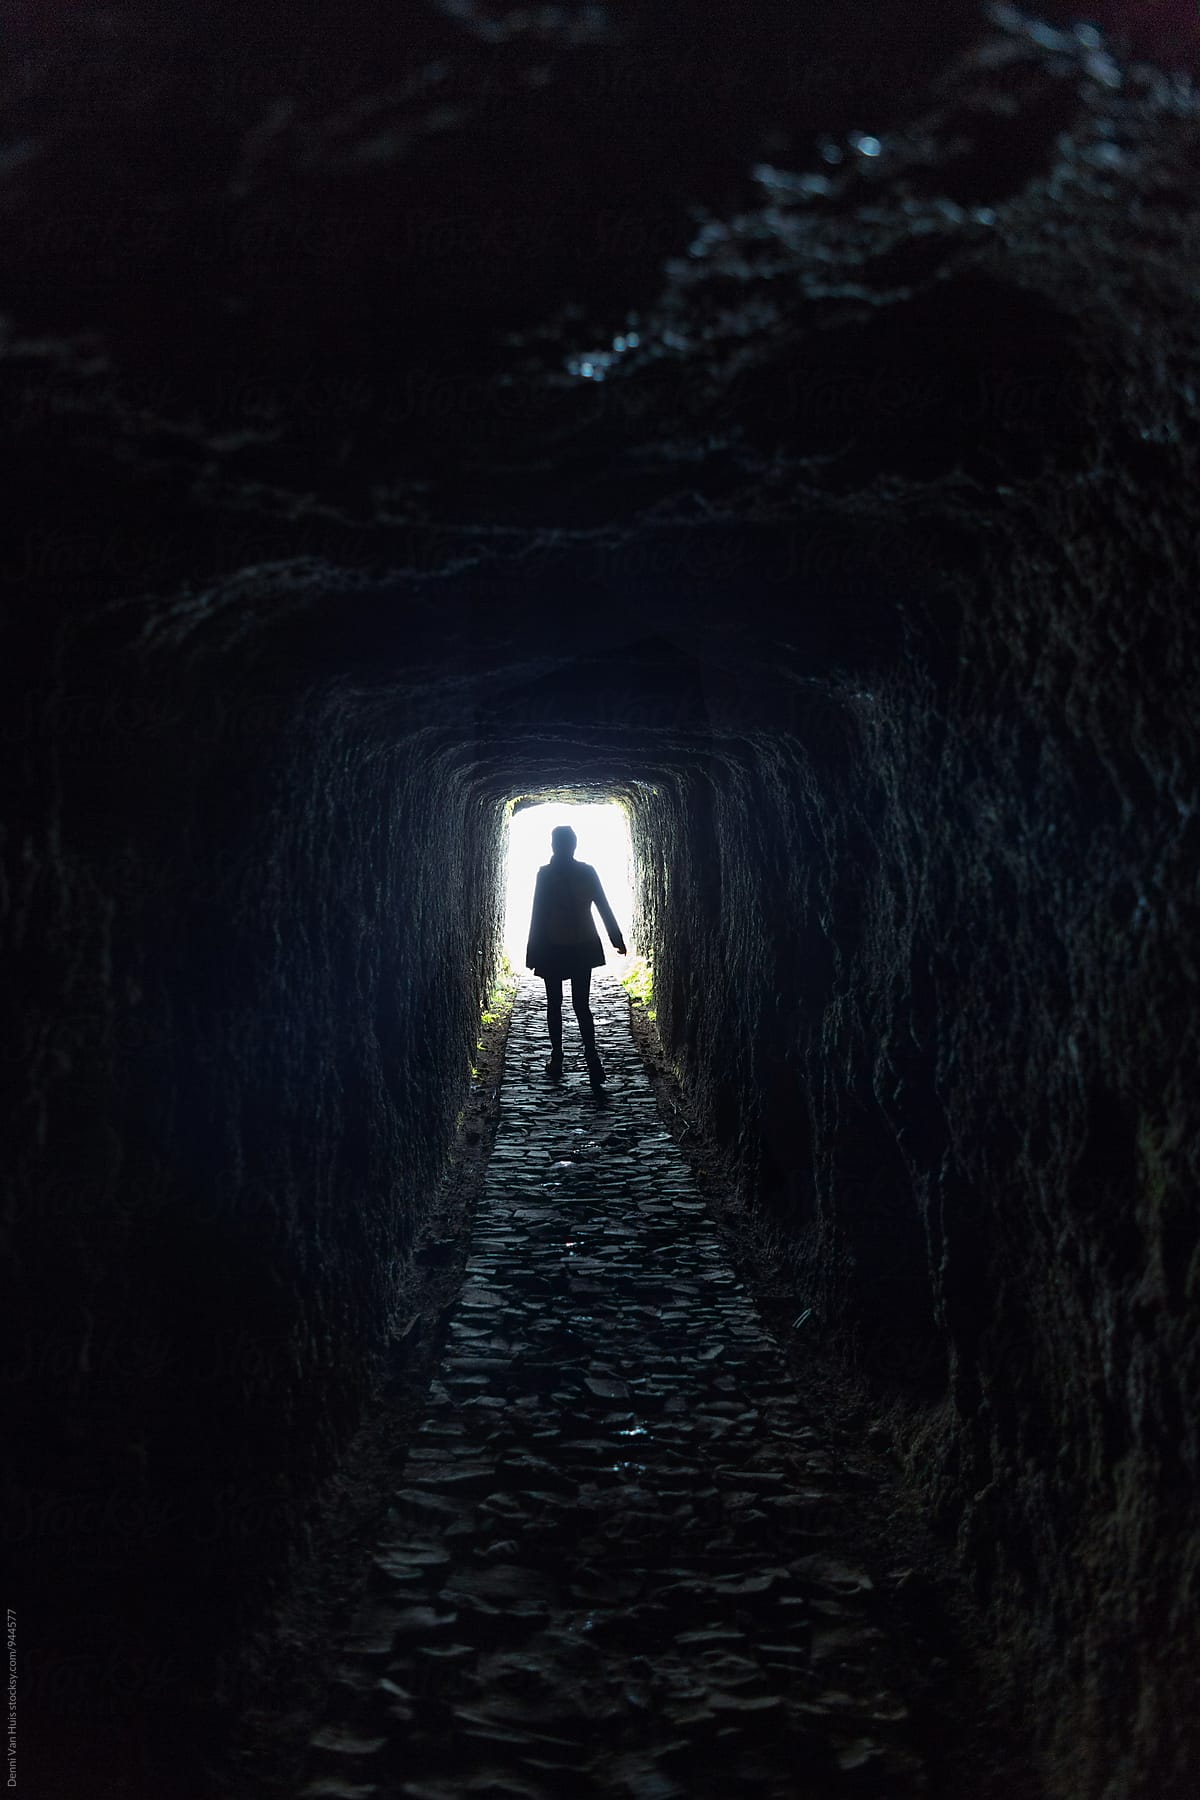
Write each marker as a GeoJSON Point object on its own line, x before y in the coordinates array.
{"type": "Point", "coordinates": [564, 944]}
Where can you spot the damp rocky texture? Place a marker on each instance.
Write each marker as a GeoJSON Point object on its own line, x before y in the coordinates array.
{"type": "Point", "coordinates": [614, 1558]}
{"type": "Point", "coordinates": [787, 427]}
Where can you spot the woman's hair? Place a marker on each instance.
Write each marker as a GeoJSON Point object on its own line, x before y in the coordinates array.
{"type": "Point", "coordinates": [562, 838]}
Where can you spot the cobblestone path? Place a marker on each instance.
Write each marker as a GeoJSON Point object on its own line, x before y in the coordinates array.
{"type": "Point", "coordinates": [611, 1566]}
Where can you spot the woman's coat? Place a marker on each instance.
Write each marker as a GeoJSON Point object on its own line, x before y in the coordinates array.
{"type": "Point", "coordinates": [561, 925]}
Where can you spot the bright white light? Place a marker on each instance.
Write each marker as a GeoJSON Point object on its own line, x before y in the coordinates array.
{"type": "Point", "coordinates": [603, 840]}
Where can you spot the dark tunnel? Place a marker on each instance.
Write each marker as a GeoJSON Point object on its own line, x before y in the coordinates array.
{"type": "Point", "coordinates": [786, 424]}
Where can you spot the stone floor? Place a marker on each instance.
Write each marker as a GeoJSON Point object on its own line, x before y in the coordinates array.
{"type": "Point", "coordinates": [612, 1562]}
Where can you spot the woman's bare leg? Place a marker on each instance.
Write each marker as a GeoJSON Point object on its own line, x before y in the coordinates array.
{"type": "Point", "coordinates": [580, 989]}
{"type": "Point", "coordinates": [554, 995]}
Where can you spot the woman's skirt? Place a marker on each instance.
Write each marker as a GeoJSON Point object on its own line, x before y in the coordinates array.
{"type": "Point", "coordinates": [571, 962]}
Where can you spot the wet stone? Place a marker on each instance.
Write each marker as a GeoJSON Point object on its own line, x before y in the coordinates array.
{"type": "Point", "coordinates": [600, 1573]}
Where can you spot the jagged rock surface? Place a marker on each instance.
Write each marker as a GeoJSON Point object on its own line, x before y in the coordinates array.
{"type": "Point", "coordinates": [820, 477]}
{"type": "Point", "coordinates": [614, 1562]}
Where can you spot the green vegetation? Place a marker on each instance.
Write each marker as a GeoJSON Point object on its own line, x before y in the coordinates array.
{"type": "Point", "coordinates": [503, 989]}
{"type": "Point", "coordinates": [638, 982]}
{"type": "Point", "coordinates": [499, 1002]}
{"type": "Point", "coordinates": [1153, 1150]}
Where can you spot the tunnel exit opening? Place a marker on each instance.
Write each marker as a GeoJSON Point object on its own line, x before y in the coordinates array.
{"type": "Point", "coordinates": [603, 839]}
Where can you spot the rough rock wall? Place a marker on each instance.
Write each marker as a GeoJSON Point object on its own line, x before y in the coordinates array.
{"type": "Point", "coordinates": [899, 418]}
{"type": "Point", "coordinates": [256, 933]}
{"type": "Point", "coordinates": [928, 971]}
{"type": "Point", "coordinates": [991, 891]}
{"type": "Point", "coordinates": [757, 882]}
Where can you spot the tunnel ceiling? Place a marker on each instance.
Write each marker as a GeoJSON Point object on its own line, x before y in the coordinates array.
{"type": "Point", "coordinates": [299, 345]}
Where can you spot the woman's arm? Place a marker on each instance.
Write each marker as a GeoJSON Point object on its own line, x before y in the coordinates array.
{"type": "Point", "coordinates": [606, 913]}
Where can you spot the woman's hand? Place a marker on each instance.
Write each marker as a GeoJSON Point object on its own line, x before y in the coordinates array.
{"type": "Point", "coordinates": [619, 946]}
